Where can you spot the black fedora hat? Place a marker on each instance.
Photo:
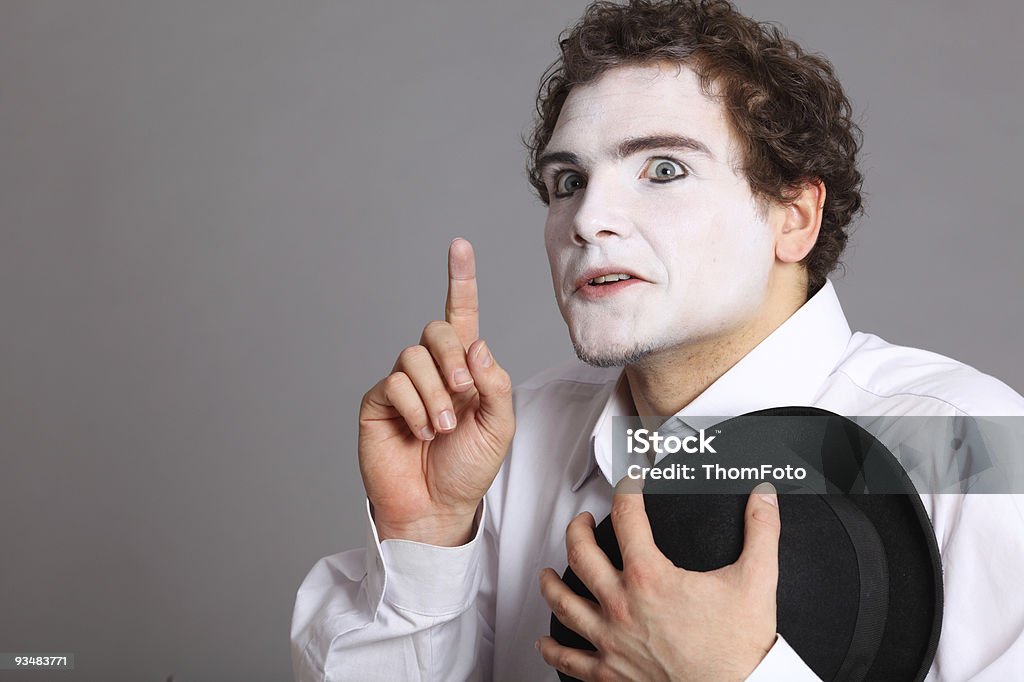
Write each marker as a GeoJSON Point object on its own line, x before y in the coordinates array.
{"type": "Point", "coordinates": [860, 581]}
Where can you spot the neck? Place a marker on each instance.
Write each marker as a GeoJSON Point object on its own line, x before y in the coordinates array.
{"type": "Point", "coordinates": [668, 380]}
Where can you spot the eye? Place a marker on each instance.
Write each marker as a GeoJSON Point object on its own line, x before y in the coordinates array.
{"type": "Point", "coordinates": [567, 182]}
{"type": "Point", "coordinates": [664, 170]}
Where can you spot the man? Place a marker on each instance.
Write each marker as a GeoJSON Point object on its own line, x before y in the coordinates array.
{"type": "Point", "coordinates": [700, 173]}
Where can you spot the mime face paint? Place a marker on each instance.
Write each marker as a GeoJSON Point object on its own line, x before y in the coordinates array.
{"type": "Point", "coordinates": [648, 189]}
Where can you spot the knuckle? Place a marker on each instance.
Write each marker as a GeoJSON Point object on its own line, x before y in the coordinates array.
{"type": "Point", "coordinates": [638, 575]}
{"type": "Point", "coordinates": [576, 555]}
{"type": "Point", "coordinates": [464, 305]}
{"type": "Point", "coordinates": [619, 514]}
{"type": "Point", "coordinates": [395, 381]}
{"type": "Point", "coordinates": [563, 661]}
{"type": "Point", "coordinates": [766, 518]}
{"type": "Point", "coordinates": [411, 354]}
{"type": "Point", "coordinates": [502, 382]}
{"type": "Point", "coordinates": [601, 641]}
{"type": "Point", "coordinates": [560, 606]}
{"type": "Point", "coordinates": [417, 415]}
{"type": "Point", "coordinates": [434, 328]}
{"type": "Point", "coordinates": [439, 399]}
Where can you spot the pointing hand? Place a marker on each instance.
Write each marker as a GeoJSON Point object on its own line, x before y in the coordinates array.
{"type": "Point", "coordinates": [433, 433]}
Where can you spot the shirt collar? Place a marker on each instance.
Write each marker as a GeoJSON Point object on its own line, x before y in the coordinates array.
{"type": "Point", "coordinates": [786, 368]}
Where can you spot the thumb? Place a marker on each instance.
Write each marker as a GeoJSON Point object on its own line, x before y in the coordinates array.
{"type": "Point", "coordinates": [495, 388]}
{"type": "Point", "coordinates": [761, 528]}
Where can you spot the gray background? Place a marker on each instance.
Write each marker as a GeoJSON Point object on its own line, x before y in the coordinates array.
{"type": "Point", "coordinates": [221, 221]}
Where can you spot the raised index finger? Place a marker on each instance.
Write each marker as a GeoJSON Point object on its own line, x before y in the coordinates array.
{"type": "Point", "coordinates": [461, 308]}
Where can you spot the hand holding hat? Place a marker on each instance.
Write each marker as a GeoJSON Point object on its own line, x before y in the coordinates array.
{"type": "Point", "coordinates": [854, 562]}
{"type": "Point", "coordinates": [655, 621]}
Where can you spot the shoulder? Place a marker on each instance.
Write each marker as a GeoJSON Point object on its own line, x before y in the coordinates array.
{"type": "Point", "coordinates": [887, 371]}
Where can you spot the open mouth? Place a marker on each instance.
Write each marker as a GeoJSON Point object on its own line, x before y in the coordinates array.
{"type": "Point", "coordinates": [607, 286]}
{"type": "Point", "coordinates": [607, 279]}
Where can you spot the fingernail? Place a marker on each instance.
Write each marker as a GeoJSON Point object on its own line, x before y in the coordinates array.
{"type": "Point", "coordinates": [460, 267]}
{"type": "Point", "coordinates": [427, 433]}
{"type": "Point", "coordinates": [766, 491]}
{"type": "Point", "coordinates": [536, 645]}
{"type": "Point", "coordinates": [484, 355]}
{"type": "Point", "coordinates": [447, 420]}
{"type": "Point", "coordinates": [461, 377]}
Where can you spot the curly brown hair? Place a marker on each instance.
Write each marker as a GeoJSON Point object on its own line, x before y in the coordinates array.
{"type": "Point", "coordinates": [792, 120]}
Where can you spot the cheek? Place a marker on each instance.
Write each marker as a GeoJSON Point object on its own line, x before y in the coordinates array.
{"type": "Point", "coordinates": [554, 228]}
{"type": "Point", "coordinates": [554, 244]}
{"type": "Point", "coordinates": [558, 230]}
{"type": "Point", "coordinates": [719, 255]}
{"type": "Point", "coordinates": [743, 238]}
{"type": "Point", "coordinates": [551, 244]}
{"type": "Point", "coordinates": [691, 242]}
{"type": "Point", "coordinates": [549, 236]}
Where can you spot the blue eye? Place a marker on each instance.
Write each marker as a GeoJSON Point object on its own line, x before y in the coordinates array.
{"type": "Point", "coordinates": [664, 170]}
{"type": "Point", "coordinates": [567, 182]}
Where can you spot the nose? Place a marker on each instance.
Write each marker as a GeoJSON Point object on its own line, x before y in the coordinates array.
{"type": "Point", "coordinates": [601, 214]}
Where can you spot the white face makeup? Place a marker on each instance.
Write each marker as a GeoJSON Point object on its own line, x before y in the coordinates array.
{"type": "Point", "coordinates": [641, 183]}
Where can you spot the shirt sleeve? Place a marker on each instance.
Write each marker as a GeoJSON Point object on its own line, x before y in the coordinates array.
{"type": "Point", "coordinates": [395, 610]}
{"type": "Point", "coordinates": [782, 663]}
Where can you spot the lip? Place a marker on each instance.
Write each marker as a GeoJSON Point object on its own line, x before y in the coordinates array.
{"type": "Point", "coordinates": [593, 273]}
{"type": "Point", "coordinates": [598, 293]}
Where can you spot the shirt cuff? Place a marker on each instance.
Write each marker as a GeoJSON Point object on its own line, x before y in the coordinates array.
{"type": "Point", "coordinates": [782, 663]}
{"type": "Point", "coordinates": [421, 578]}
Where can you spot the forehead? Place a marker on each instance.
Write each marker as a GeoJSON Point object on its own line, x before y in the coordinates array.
{"type": "Point", "coordinates": [637, 101]}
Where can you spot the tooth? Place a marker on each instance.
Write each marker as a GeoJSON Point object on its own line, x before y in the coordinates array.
{"type": "Point", "coordinates": [609, 278]}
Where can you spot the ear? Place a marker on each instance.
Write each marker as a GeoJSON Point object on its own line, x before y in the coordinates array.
{"type": "Point", "coordinates": [798, 222]}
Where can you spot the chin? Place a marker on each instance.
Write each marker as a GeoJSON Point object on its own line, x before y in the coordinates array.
{"type": "Point", "coordinates": [608, 355]}
{"type": "Point", "coordinates": [603, 344]}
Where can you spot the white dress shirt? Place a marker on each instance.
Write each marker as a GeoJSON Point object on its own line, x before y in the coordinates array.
{"type": "Point", "coordinates": [401, 610]}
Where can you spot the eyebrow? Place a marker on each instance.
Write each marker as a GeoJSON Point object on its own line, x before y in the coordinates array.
{"type": "Point", "coordinates": [553, 158]}
{"type": "Point", "coordinates": [651, 142]}
{"type": "Point", "coordinates": [629, 147]}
